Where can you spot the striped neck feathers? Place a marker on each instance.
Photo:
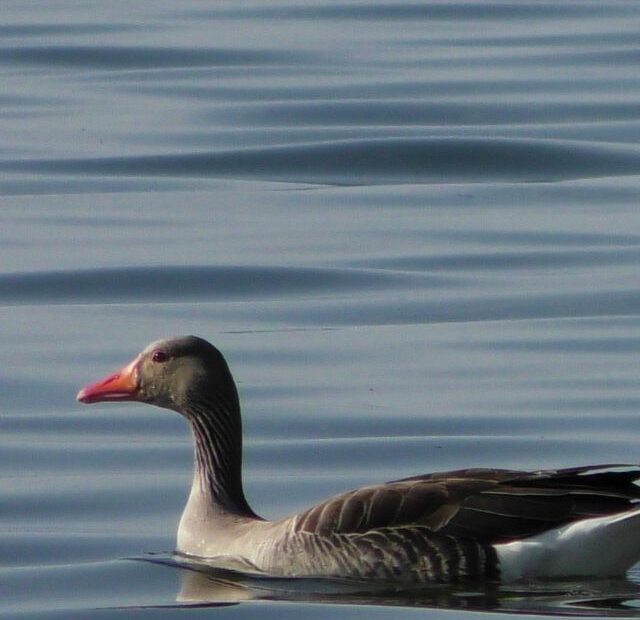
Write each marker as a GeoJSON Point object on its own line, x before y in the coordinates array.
{"type": "Point", "coordinates": [217, 432]}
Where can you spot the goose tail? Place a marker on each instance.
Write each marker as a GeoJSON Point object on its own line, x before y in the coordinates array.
{"type": "Point", "coordinates": [595, 547]}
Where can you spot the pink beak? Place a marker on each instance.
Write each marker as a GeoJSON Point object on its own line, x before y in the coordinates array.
{"type": "Point", "coordinates": [122, 385]}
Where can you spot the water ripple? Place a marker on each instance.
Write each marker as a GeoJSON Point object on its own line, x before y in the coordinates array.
{"type": "Point", "coordinates": [189, 283]}
{"type": "Point", "coordinates": [422, 11]}
{"type": "Point", "coordinates": [506, 260]}
{"type": "Point", "coordinates": [42, 29]}
{"type": "Point", "coordinates": [547, 89]}
{"type": "Point", "coordinates": [486, 307]}
{"type": "Point", "coordinates": [146, 57]}
{"type": "Point", "coordinates": [375, 161]}
{"type": "Point", "coordinates": [451, 114]}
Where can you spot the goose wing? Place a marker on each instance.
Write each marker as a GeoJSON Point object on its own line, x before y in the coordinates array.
{"type": "Point", "coordinates": [485, 505]}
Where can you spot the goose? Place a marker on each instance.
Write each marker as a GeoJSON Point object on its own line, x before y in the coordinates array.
{"type": "Point", "coordinates": [495, 525]}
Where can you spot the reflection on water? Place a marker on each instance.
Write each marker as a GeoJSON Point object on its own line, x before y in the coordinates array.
{"type": "Point", "coordinates": [203, 585]}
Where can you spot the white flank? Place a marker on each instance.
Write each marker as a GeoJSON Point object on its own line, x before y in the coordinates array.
{"type": "Point", "coordinates": [598, 547]}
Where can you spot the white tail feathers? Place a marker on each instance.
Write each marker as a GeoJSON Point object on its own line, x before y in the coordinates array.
{"type": "Point", "coordinates": [597, 547]}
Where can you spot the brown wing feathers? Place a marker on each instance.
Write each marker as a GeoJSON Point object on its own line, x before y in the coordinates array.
{"type": "Point", "coordinates": [391, 505]}
{"type": "Point", "coordinates": [485, 505]}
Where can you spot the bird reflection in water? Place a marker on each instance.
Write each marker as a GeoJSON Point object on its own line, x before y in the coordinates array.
{"type": "Point", "coordinates": [205, 585]}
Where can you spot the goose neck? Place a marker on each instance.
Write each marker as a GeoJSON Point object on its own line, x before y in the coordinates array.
{"type": "Point", "coordinates": [217, 434]}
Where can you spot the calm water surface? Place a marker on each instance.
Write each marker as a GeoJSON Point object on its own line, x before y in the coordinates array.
{"type": "Point", "coordinates": [412, 228]}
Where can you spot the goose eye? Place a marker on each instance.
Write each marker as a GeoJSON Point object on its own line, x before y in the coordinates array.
{"type": "Point", "coordinates": [159, 356]}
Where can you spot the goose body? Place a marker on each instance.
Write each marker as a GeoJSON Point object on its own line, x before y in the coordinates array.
{"type": "Point", "coordinates": [472, 524]}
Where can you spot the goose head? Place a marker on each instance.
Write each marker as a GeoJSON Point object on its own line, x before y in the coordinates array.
{"type": "Point", "coordinates": [173, 373]}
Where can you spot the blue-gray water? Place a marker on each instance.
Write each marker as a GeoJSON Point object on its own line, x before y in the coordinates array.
{"type": "Point", "coordinates": [411, 227]}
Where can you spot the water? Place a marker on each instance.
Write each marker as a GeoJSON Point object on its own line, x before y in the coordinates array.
{"type": "Point", "coordinates": [411, 227]}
